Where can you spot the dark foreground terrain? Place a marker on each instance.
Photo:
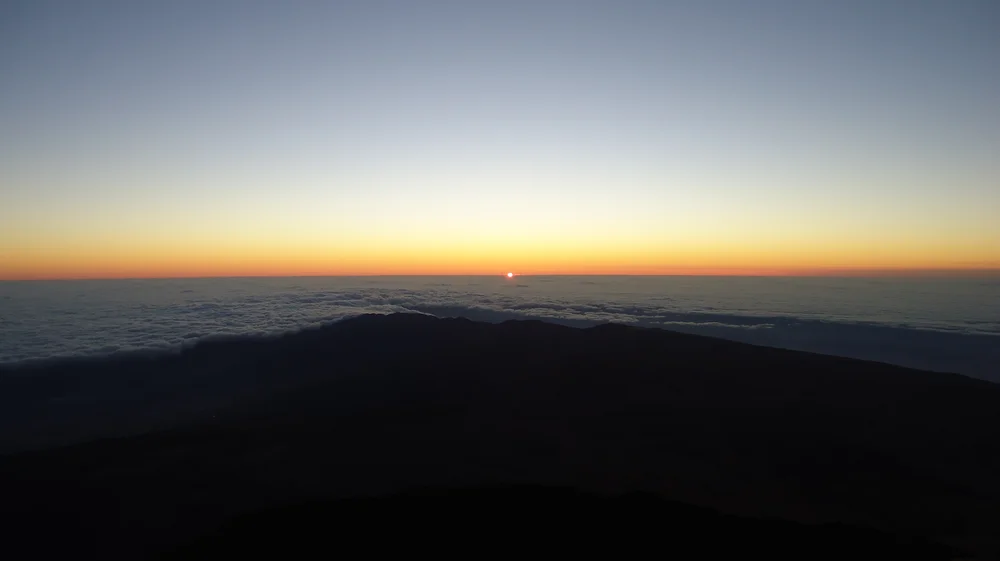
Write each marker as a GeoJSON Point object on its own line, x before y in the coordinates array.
{"type": "Point", "coordinates": [475, 438]}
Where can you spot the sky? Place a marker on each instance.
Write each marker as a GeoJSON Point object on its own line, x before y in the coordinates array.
{"type": "Point", "coordinates": [217, 138]}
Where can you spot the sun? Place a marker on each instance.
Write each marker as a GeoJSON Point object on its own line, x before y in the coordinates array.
{"type": "Point", "coordinates": [510, 275]}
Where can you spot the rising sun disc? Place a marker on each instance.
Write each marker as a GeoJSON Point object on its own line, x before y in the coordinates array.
{"type": "Point", "coordinates": [510, 275]}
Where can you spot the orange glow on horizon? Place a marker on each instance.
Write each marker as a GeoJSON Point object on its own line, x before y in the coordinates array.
{"type": "Point", "coordinates": [204, 270]}
{"type": "Point", "coordinates": [118, 258]}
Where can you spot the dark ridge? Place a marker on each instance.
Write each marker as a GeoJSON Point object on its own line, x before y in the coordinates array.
{"type": "Point", "coordinates": [546, 521]}
{"type": "Point", "coordinates": [377, 405]}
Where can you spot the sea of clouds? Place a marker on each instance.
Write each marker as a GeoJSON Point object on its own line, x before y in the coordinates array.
{"type": "Point", "coordinates": [937, 325]}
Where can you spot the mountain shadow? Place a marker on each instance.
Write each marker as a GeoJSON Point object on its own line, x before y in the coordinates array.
{"type": "Point", "coordinates": [862, 454]}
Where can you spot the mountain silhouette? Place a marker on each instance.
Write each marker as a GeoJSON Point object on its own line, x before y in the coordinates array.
{"type": "Point", "coordinates": [326, 433]}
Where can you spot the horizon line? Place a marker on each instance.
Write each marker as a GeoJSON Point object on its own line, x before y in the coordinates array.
{"type": "Point", "coordinates": [824, 273]}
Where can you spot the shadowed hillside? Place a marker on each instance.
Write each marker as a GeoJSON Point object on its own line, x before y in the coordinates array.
{"type": "Point", "coordinates": [540, 521]}
{"type": "Point", "coordinates": [378, 405]}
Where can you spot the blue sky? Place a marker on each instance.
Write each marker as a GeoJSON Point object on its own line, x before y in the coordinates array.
{"type": "Point", "coordinates": [465, 136]}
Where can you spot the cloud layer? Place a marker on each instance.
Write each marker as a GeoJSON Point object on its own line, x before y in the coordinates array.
{"type": "Point", "coordinates": [879, 322]}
